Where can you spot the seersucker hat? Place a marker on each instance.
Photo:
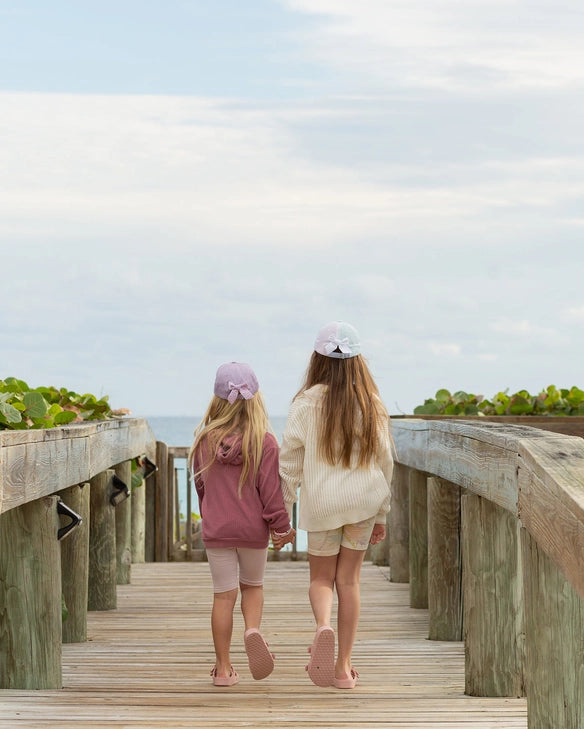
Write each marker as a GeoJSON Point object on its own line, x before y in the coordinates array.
{"type": "Point", "coordinates": [235, 381]}
{"type": "Point", "coordinates": [339, 340]}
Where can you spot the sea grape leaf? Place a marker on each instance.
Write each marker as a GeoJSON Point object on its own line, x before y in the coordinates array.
{"type": "Point", "coordinates": [35, 403]}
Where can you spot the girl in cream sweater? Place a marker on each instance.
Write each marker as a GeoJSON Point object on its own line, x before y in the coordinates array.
{"type": "Point", "coordinates": [337, 453]}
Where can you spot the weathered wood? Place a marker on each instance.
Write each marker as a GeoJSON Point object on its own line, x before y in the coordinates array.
{"type": "Point", "coordinates": [189, 515]}
{"type": "Point", "coordinates": [138, 520]}
{"type": "Point", "coordinates": [480, 458]}
{"type": "Point", "coordinates": [37, 463]}
{"type": "Point", "coordinates": [150, 487]}
{"type": "Point", "coordinates": [551, 502]}
{"type": "Point", "coordinates": [492, 599]}
{"type": "Point", "coordinates": [418, 540]}
{"type": "Point", "coordinates": [572, 425]}
{"type": "Point", "coordinates": [102, 545]}
{"type": "Point", "coordinates": [169, 506]}
{"type": "Point", "coordinates": [532, 473]}
{"type": "Point", "coordinates": [161, 504]}
{"type": "Point", "coordinates": [123, 516]}
{"type": "Point", "coordinates": [554, 626]}
{"type": "Point", "coordinates": [75, 565]}
{"type": "Point", "coordinates": [399, 525]}
{"type": "Point", "coordinates": [444, 561]}
{"type": "Point", "coordinates": [147, 666]}
{"type": "Point", "coordinates": [30, 597]}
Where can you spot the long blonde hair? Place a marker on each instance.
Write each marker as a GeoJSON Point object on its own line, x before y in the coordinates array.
{"type": "Point", "coordinates": [352, 411]}
{"type": "Point", "coordinates": [245, 418]}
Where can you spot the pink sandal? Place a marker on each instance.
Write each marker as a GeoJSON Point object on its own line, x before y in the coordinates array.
{"type": "Point", "coordinates": [260, 659]}
{"type": "Point", "coordinates": [346, 683]}
{"type": "Point", "coordinates": [230, 680]}
{"type": "Point", "coordinates": [321, 666]}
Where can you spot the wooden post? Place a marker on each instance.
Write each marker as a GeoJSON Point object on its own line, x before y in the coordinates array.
{"type": "Point", "coordinates": [161, 504]}
{"type": "Point", "coordinates": [75, 565]}
{"type": "Point", "coordinates": [554, 628]}
{"type": "Point", "coordinates": [156, 515]}
{"type": "Point", "coordinates": [444, 561]}
{"type": "Point", "coordinates": [176, 510]}
{"type": "Point", "coordinates": [399, 525]}
{"type": "Point", "coordinates": [102, 545]}
{"type": "Point", "coordinates": [123, 515]}
{"type": "Point", "coordinates": [492, 599]}
{"type": "Point", "coordinates": [418, 539]}
{"type": "Point", "coordinates": [189, 516]}
{"type": "Point", "coordinates": [138, 519]}
{"type": "Point", "coordinates": [170, 481]}
{"type": "Point", "coordinates": [30, 597]}
{"type": "Point", "coordinates": [150, 486]}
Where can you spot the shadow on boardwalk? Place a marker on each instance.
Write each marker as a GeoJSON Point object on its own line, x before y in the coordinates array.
{"type": "Point", "coordinates": [146, 665]}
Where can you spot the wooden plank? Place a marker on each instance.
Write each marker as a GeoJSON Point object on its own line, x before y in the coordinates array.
{"type": "Point", "coordinates": [554, 616]}
{"type": "Point", "coordinates": [534, 474]}
{"type": "Point", "coordinates": [480, 459]}
{"type": "Point", "coordinates": [146, 665]}
{"type": "Point", "coordinates": [418, 539]}
{"type": "Point", "coordinates": [30, 596]}
{"type": "Point", "coordinates": [444, 561]}
{"type": "Point", "coordinates": [38, 463]}
{"type": "Point", "coordinates": [399, 525]}
{"type": "Point", "coordinates": [492, 599]}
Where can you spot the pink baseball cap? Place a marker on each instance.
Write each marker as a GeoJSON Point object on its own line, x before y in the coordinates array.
{"type": "Point", "coordinates": [235, 380]}
{"type": "Point", "coordinates": [339, 340]}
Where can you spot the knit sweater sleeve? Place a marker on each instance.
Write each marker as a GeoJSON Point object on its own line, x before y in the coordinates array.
{"type": "Point", "coordinates": [292, 453]}
{"type": "Point", "coordinates": [385, 461]}
{"type": "Point", "coordinates": [268, 483]}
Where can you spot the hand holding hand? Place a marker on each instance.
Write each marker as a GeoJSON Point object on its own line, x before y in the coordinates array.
{"type": "Point", "coordinates": [279, 541]}
{"type": "Point", "coordinates": [378, 534]}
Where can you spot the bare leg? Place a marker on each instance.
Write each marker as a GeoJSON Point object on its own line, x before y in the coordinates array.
{"type": "Point", "coordinates": [252, 605]}
{"type": "Point", "coordinates": [320, 592]}
{"type": "Point", "coordinates": [349, 605]}
{"type": "Point", "coordinates": [222, 628]}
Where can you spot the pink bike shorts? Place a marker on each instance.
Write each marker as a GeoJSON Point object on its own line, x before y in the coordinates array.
{"type": "Point", "coordinates": [231, 566]}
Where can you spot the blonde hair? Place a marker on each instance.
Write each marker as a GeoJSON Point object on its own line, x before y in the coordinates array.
{"type": "Point", "coordinates": [352, 411]}
{"type": "Point", "coordinates": [245, 418]}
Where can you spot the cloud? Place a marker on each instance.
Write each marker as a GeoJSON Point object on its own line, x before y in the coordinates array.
{"type": "Point", "coordinates": [574, 313]}
{"type": "Point", "coordinates": [472, 47]}
{"type": "Point", "coordinates": [444, 349]}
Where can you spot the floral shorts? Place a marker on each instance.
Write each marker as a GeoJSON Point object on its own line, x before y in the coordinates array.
{"type": "Point", "coordinates": [351, 536]}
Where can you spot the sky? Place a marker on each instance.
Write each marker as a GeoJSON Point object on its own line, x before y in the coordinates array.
{"type": "Point", "coordinates": [186, 183]}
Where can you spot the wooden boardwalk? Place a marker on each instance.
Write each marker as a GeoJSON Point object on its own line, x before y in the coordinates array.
{"type": "Point", "coordinates": [146, 665]}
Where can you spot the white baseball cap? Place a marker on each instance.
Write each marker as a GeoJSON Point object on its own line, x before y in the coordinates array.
{"type": "Point", "coordinates": [339, 340]}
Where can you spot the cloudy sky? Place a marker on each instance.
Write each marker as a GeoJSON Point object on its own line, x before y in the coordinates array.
{"type": "Point", "coordinates": [184, 183]}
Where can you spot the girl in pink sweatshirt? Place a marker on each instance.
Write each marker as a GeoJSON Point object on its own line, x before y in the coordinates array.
{"type": "Point", "coordinates": [234, 461]}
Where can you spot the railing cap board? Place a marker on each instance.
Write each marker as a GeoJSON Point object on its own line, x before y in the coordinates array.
{"type": "Point", "coordinates": [36, 463]}
{"type": "Point", "coordinates": [535, 474]}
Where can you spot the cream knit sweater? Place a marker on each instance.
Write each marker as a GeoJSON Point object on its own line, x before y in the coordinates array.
{"type": "Point", "coordinates": [330, 496]}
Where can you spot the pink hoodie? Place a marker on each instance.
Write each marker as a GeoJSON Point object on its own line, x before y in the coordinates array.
{"type": "Point", "coordinates": [230, 521]}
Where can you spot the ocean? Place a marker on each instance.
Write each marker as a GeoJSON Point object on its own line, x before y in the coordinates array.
{"type": "Point", "coordinates": [178, 431]}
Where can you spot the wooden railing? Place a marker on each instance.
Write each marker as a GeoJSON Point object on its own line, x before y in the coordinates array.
{"type": "Point", "coordinates": [48, 480]}
{"type": "Point", "coordinates": [487, 526]}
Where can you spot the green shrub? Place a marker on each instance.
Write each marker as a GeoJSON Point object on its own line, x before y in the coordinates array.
{"type": "Point", "coordinates": [23, 408]}
{"type": "Point", "coordinates": [551, 401]}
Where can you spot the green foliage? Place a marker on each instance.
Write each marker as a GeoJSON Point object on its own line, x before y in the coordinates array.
{"type": "Point", "coordinates": [551, 401]}
{"type": "Point", "coordinates": [22, 407]}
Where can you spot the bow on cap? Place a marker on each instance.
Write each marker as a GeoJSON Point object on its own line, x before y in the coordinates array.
{"type": "Point", "coordinates": [236, 390]}
{"type": "Point", "coordinates": [334, 342]}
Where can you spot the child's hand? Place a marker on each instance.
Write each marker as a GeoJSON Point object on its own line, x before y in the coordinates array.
{"type": "Point", "coordinates": [279, 541]}
{"type": "Point", "coordinates": [378, 534]}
